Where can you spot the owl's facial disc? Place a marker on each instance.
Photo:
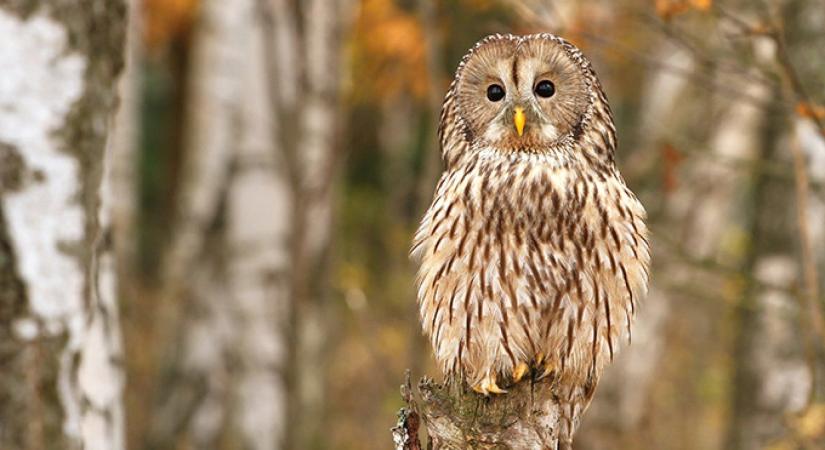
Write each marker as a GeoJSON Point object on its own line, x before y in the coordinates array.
{"type": "Point", "coordinates": [522, 93]}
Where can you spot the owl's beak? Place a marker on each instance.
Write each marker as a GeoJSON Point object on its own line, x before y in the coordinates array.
{"type": "Point", "coordinates": [519, 120]}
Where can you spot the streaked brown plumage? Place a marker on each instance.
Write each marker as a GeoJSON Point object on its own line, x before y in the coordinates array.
{"type": "Point", "coordinates": [534, 253]}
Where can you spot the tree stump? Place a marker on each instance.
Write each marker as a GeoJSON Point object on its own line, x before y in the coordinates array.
{"type": "Point", "coordinates": [454, 417]}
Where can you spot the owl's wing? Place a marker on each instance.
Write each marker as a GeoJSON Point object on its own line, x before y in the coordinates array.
{"type": "Point", "coordinates": [454, 141]}
{"type": "Point", "coordinates": [452, 131]}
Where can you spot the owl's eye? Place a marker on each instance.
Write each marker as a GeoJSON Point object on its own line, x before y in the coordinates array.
{"type": "Point", "coordinates": [545, 89]}
{"type": "Point", "coordinates": [495, 93]}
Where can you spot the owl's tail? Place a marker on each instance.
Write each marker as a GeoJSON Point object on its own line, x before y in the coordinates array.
{"type": "Point", "coordinates": [577, 398]}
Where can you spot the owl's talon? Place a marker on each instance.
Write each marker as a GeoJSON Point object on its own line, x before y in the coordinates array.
{"type": "Point", "coordinates": [493, 387]}
{"type": "Point", "coordinates": [519, 372]}
{"type": "Point", "coordinates": [488, 386]}
{"type": "Point", "coordinates": [549, 368]}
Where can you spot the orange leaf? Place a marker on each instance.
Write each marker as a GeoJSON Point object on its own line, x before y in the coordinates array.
{"type": "Point", "coordinates": [389, 50]}
{"type": "Point", "coordinates": [701, 5]}
{"type": "Point", "coordinates": [672, 160]}
{"type": "Point", "coordinates": [810, 111]}
{"type": "Point", "coordinates": [166, 20]}
{"type": "Point", "coordinates": [667, 9]}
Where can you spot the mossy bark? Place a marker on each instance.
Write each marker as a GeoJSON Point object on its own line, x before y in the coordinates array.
{"type": "Point", "coordinates": [528, 416]}
{"type": "Point", "coordinates": [27, 375]}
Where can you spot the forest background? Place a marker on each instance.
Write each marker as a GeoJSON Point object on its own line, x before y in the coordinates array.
{"type": "Point", "coordinates": [270, 159]}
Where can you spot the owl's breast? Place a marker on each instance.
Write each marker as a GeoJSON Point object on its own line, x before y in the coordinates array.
{"type": "Point", "coordinates": [520, 260]}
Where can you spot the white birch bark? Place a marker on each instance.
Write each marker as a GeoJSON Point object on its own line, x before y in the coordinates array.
{"type": "Point", "coordinates": [55, 105]}
{"type": "Point", "coordinates": [319, 108]}
{"type": "Point", "coordinates": [233, 236]}
{"type": "Point", "coordinates": [315, 158]}
{"type": "Point", "coordinates": [720, 176]}
{"type": "Point", "coordinates": [780, 376]}
{"type": "Point", "coordinates": [259, 219]}
{"type": "Point", "coordinates": [813, 146]}
{"type": "Point", "coordinates": [771, 376]}
{"type": "Point", "coordinates": [198, 389]}
{"type": "Point", "coordinates": [316, 155]}
{"type": "Point", "coordinates": [213, 97]}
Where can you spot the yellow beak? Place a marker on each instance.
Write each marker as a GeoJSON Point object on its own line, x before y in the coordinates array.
{"type": "Point", "coordinates": [519, 119]}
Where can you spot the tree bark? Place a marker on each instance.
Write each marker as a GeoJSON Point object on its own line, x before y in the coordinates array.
{"type": "Point", "coordinates": [773, 373]}
{"type": "Point", "coordinates": [307, 41]}
{"type": "Point", "coordinates": [259, 218]}
{"type": "Point", "coordinates": [124, 145]}
{"type": "Point", "coordinates": [193, 397]}
{"type": "Point", "coordinates": [231, 252]}
{"type": "Point", "coordinates": [528, 417]}
{"type": "Point", "coordinates": [61, 380]}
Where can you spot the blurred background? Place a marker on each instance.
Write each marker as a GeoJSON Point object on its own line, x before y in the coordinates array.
{"type": "Point", "coordinates": [273, 158]}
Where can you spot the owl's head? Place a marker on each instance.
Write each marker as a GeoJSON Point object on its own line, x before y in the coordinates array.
{"type": "Point", "coordinates": [525, 93]}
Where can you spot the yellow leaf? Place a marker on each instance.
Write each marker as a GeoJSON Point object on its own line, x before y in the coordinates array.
{"type": "Point", "coordinates": [811, 425]}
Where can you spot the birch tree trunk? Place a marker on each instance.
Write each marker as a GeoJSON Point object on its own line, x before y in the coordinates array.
{"type": "Point", "coordinates": [123, 142]}
{"type": "Point", "coordinates": [774, 373]}
{"type": "Point", "coordinates": [771, 377]}
{"type": "Point", "coordinates": [307, 41]}
{"type": "Point", "coordinates": [60, 345]}
{"type": "Point", "coordinates": [259, 219]}
{"type": "Point", "coordinates": [231, 254]}
{"type": "Point", "coordinates": [262, 126]}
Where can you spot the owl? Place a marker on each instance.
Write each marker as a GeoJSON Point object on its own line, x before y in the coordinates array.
{"type": "Point", "coordinates": [533, 255]}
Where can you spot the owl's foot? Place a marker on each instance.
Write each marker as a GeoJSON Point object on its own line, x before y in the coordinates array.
{"type": "Point", "coordinates": [488, 386]}
{"type": "Point", "coordinates": [519, 372]}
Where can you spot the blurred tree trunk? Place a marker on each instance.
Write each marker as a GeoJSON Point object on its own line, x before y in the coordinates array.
{"type": "Point", "coordinates": [774, 366]}
{"type": "Point", "coordinates": [260, 141]}
{"type": "Point", "coordinates": [259, 211]}
{"type": "Point", "coordinates": [123, 182]}
{"type": "Point", "coordinates": [124, 145]}
{"type": "Point", "coordinates": [307, 41]}
{"type": "Point", "coordinates": [230, 256]}
{"type": "Point", "coordinates": [774, 372]}
{"type": "Point", "coordinates": [192, 396]}
{"type": "Point", "coordinates": [61, 380]}
{"type": "Point", "coordinates": [771, 377]}
{"type": "Point", "coordinates": [811, 144]}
